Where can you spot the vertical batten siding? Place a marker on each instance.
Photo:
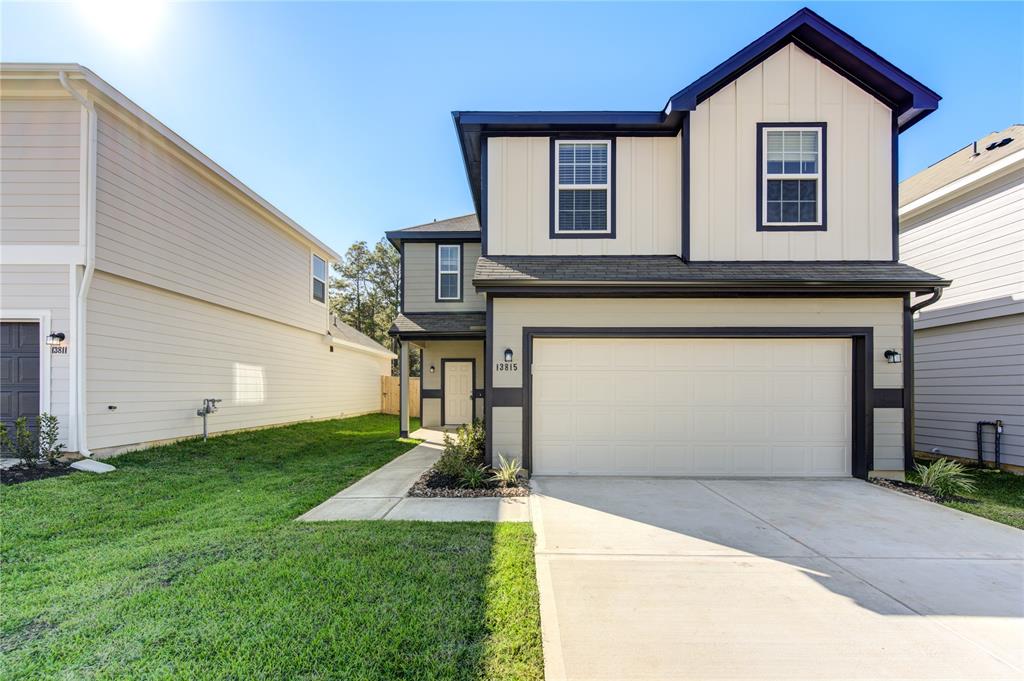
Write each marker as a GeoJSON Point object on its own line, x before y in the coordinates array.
{"type": "Point", "coordinates": [791, 86]}
{"type": "Point", "coordinates": [39, 170]}
{"type": "Point", "coordinates": [433, 353]}
{"type": "Point", "coordinates": [154, 355]}
{"type": "Point", "coordinates": [163, 222]}
{"type": "Point", "coordinates": [421, 279]}
{"type": "Point", "coordinates": [965, 373]}
{"type": "Point", "coordinates": [647, 200]}
{"type": "Point", "coordinates": [976, 240]}
{"type": "Point", "coordinates": [884, 315]}
{"type": "Point", "coordinates": [45, 288]}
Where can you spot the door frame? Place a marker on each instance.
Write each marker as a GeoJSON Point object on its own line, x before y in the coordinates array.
{"type": "Point", "coordinates": [862, 370]}
{"type": "Point", "coordinates": [41, 317]}
{"type": "Point", "coordinates": [472, 393]}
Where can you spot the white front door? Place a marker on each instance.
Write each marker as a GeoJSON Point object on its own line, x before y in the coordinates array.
{"type": "Point", "coordinates": [458, 393]}
{"type": "Point", "coordinates": [692, 406]}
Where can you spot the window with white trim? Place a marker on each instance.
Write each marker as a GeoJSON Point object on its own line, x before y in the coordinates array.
{"type": "Point", "coordinates": [582, 186]}
{"type": "Point", "coordinates": [449, 271]}
{"type": "Point", "coordinates": [792, 176]}
{"type": "Point", "coordinates": [319, 279]}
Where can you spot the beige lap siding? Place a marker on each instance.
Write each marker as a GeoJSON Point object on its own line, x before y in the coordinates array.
{"type": "Point", "coordinates": [421, 279]}
{"type": "Point", "coordinates": [884, 315]}
{"type": "Point", "coordinates": [45, 288]}
{"type": "Point", "coordinates": [155, 355]}
{"type": "Point", "coordinates": [433, 353]}
{"type": "Point", "coordinates": [39, 170]}
{"type": "Point", "coordinates": [164, 221]}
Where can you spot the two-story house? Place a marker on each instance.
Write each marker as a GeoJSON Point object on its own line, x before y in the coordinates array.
{"type": "Point", "coordinates": [138, 278]}
{"type": "Point", "coordinates": [712, 288]}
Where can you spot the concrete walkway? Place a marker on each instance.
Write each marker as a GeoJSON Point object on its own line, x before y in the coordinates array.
{"type": "Point", "coordinates": [644, 578]}
{"type": "Point", "coordinates": [381, 495]}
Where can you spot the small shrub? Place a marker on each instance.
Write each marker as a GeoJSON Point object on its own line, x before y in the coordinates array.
{"type": "Point", "coordinates": [454, 458]}
{"type": "Point", "coordinates": [473, 477]}
{"type": "Point", "coordinates": [50, 447]}
{"type": "Point", "coordinates": [945, 478]}
{"type": "Point", "coordinates": [472, 440]}
{"type": "Point", "coordinates": [23, 446]}
{"type": "Point", "coordinates": [507, 473]}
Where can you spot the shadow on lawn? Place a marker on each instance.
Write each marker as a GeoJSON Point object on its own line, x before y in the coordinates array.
{"type": "Point", "coordinates": [186, 563]}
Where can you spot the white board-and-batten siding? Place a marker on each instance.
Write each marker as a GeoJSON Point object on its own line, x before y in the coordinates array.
{"type": "Point", "coordinates": [40, 156]}
{"type": "Point", "coordinates": [162, 221]}
{"type": "Point", "coordinates": [647, 199]}
{"type": "Point", "coordinates": [155, 355]}
{"type": "Point", "coordinates": [791, 86]}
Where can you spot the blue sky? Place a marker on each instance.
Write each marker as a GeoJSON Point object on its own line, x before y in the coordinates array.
{"type": "Point", "coordinates": [339, 113]}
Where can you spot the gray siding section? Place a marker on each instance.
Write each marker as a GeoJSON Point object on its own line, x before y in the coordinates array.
{"type": "Point", "coordinates": [965, 373]}
{"type": "Point", "coordinates": [420, 279]}
{"type": "Point", "coordinates": [977, 240]}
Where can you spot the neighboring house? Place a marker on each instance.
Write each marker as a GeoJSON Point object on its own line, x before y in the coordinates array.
{"type": "Point", "coordinates": [158, 277]}
{"type": "Point", "coordinates": [963, 218]}
{"type": "Point", "coordinates": [712, 288]}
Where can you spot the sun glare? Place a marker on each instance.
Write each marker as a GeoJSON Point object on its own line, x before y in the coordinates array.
{"type": "Point", "coordinates": [127, 24]}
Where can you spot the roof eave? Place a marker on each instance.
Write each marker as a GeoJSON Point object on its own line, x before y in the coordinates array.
{"type": "Point", "coordinates": [723, 285]}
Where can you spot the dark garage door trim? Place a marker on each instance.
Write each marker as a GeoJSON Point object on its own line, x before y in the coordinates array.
{"type": "Point", "coordinates": [863, 371]}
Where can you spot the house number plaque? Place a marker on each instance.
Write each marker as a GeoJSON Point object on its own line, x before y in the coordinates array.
{"type": "Point", "coordinates": [506, 366]}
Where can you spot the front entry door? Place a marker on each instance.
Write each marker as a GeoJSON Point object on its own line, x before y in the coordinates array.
{"type": "Point", "coordinates": [458, 392]}
{"type": "Point", "coordinates": [19, 378]}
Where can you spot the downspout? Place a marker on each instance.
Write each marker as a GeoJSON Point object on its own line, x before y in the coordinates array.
{"type": "Point", "coordinates": [936, 294]}
{"type": "Point", "coordinates": [90, 264]}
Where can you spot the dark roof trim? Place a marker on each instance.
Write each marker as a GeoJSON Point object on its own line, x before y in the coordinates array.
{"type": "Point", "coordinates": [746, 286]}
{"type": "Point", "coordinates": [398, 236]}
{"type": "Point", "coordinates": [426, 335]}
{"type": "Point", "coordinates": [909, 97]}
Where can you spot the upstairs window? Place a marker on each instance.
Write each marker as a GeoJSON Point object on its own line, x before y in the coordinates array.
{"type": "Point", "coordinates": [319, 279]}
{"type": "Point", "coordinates": [792, 177]}
{"type": "Point", "coordinates": [582, 183]}
{"type": "Point", "coordinates": [449, 272]}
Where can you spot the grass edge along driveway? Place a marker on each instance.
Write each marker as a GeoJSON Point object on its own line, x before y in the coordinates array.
{"type": "Point", "coordinates": [187, 562]}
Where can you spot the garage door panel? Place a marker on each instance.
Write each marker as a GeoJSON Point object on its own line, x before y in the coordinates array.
{"type": "Point", "coordinates": [713, 407]}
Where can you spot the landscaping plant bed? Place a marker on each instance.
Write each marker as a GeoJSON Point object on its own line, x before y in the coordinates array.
{"type": "Point", "coordinates": [436, 484]}
{"type": "Point", "coordinates": [19, 474]}
{"type": "Point", "coordinates": [917, 491]}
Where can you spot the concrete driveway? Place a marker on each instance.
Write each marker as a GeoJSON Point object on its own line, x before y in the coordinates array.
{"type": "Point", "coordinates": [751, 579]}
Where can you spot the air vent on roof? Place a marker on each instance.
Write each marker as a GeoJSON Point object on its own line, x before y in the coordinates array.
{"type": "Point", "coordinates": [1001, 143]}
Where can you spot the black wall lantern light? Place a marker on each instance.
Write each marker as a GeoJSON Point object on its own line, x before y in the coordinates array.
{"type": "Point", "coordinates": [893, 356]}
{"type": "Point", "coordinates": [508, 354]}
{"type": "Point", "coordinates": [431, 368]}
{"type": "Point", "coordinates": [55, 339]}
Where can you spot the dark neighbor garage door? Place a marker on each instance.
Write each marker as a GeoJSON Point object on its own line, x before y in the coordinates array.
{"type": "Point", "coordinates": [19, 373]}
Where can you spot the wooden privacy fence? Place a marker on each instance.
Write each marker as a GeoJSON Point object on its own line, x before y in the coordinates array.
{"type": "Point", "coordinates": [390, 396]}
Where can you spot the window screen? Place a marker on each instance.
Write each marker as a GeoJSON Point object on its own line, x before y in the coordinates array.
{"type": "Point", "coordinates": [582, 172]}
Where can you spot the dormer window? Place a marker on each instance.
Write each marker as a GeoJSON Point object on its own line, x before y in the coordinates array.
{"type": "Point", "coordinates": [791, 176]}
{"type": "Point", "coordinates": [582, 183]}
{"type": "Point", "coordinates": [449, 272]}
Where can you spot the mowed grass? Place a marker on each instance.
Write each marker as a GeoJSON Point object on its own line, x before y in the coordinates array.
{"type": "Point", "coordinates": [187, 563]}
{"type": "Point", "coordinates": [999, 496]}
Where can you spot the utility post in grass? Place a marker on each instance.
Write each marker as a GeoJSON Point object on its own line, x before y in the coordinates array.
{"type": "Point", "coordinates": [403, 387]}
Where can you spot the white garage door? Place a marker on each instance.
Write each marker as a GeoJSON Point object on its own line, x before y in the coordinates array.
{"type": "Point", "coordinates": [709, 406]}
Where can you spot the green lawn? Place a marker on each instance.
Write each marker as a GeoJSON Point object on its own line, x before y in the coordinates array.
{"type": "Point", "coordinates": [186, 563]}
{"type": "Point", "coordinates": [999, 497]}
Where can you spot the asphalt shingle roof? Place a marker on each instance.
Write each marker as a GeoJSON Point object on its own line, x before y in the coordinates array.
{"type": "Point", "coordinates": [510, 269]}
{"type": "Point", "coordinates": [463, 223]}
{"type": "Point", "coordinates": [439, 323]}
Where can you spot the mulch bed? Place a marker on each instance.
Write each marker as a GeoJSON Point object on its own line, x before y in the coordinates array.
{"type": "Point", "coordinates": [434, 484]}
{"type": "Point", "coordinates": [20, 474]}
{"type": "Point", "coordinates": [916, 491]}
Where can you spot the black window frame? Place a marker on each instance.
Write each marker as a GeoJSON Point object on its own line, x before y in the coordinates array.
{"type": "Point", "coordinates": [762, 179]}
